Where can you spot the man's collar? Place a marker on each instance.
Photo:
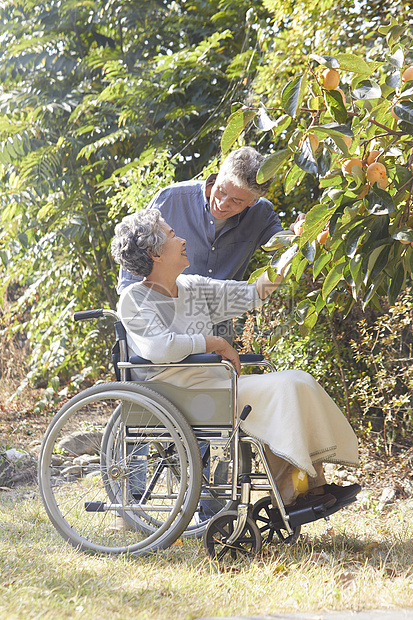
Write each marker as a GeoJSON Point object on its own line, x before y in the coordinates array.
{"type": "Point", "coordinates": [208, 183]}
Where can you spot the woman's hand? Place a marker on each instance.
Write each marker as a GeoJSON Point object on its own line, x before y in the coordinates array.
{"type": "Point", "coordinates": [221, 347]}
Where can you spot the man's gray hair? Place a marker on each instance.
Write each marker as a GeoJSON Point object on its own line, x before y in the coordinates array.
{"type": "Point", "coordinates": [241, 167]}
{"type": "Point", "coordinates": [134, 236]}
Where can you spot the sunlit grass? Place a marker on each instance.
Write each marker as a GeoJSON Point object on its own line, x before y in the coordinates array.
{"type": "Point", "coordinates": [360, 559]}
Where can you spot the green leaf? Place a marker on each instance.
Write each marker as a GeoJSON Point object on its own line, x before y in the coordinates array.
{"type": "Point", "coordinates": [396, 283]}
{"type": "Point", "coordinates": [302, 310]}
{"type": "Point", "coordinates": [397, 59]}
{"type": "Point", "coordinates": [324, 162]}
{"type": "Point", "coordinates": [367, 89]}
{"type": "Point", "coordinates": [356, 64]}
{"type": "Point", "coordinates": [271, 164]}
{"type": "Point", "coordinates": [404, 110]}
{"type": "Point", "coordinates": [333, 278]}
{"type": "Point", "coordinates": [321, 263]}
{"type": "Point", "coordinates": [411, 262]}
{"type": "Point", "coordinates": [309, 323]}
{"type": "Point", "coordinates": [305, 158]}
{"type": "Point", "coordinates": [282, 239]}
{"type": "Point", "coordinates": [293, 177]}
{"type": "Point", "coordinates": [300, 269]}
{"type": "Point", "coordinates": [402, 176]}
{"type": "Point", "coordinates": [335, 105]}
{"type": "Point", "coordinates": [378, 260]}
{"type": "Point", "coordinates": [319, 304]}
{"type": "Point", "coordinates": [256, 274]}
{"type": "Point", "coordinates": [393, 80]}
{"type": "Point", "coordinates": [282, 123]}
{"type": "Point", "coordinates": [308, 251]}
{"type": "Point", "coordinates": [326, 61]}
{"type": "Point", "coordinates": [386, 29]}
{"type": "Point", "coordinates": [406, 127]}
{"type": "Point", "coordinates": [394, 35]}
{"type": "Point", "coordinates": [5, 257]}
{"type": "Point", "coordinates": [379, 202]}
{"type": "Point", "coordinates": [236, 125]}
{"type": "Point", "coordinates": [403, 234]}
{"type": "Point", "coordinates": [336, 132]}
{"type": "Point", "coordinates": [332, 179]}
{"type": "Point", "coordinates": [292, 95]}
{"type": "Point", "coordinates": [315, 222]}
{"type": "Point", "coordinates": [357, 274]}
{"type": "Point", "coordinates": [369, 294]}
{"type": "Point", "coordinates": [352, 239]}
{"type": "Point", "coordinates": [280, 263]}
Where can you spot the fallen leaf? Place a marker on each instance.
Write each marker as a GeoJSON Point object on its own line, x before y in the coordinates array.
{"type": "Point", "coordinates": [280, 568]}
{"type": "Point", "coordinates": [177, 543]}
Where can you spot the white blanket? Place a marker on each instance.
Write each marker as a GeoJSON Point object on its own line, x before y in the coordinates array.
{"type": "Point", "coordinates": [291, 413]}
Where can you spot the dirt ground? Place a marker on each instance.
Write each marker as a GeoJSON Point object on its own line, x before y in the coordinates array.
{"type": "Point", "coordinates": [383, 477]}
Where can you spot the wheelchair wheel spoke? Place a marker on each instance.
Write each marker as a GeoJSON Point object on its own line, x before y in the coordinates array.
{"type": "Point", "coordinates": [220, 529]}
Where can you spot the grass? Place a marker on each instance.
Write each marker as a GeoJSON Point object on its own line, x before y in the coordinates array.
{"type": "Point", "coordinates": [365, 562]}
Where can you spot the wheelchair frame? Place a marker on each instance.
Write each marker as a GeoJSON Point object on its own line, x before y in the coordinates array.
{"type": "Point", "coordinates": [78, 505]}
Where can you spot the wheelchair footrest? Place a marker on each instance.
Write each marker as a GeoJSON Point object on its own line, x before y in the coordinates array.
{"type": "Point", "coordinates": [307, 514]}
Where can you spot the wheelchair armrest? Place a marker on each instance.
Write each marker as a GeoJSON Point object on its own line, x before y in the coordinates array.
{"type": "Point", "coordinates": [196, 358]}
{"type": "Point", "coordinates": [251, 358]}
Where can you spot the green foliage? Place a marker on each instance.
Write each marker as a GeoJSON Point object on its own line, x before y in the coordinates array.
{"type": "Point", "coordinates": [101, 104]}
{"type": "Point", "coordinates": [368, 253]}
{"type": "Point", "coordinates": [383, 350]}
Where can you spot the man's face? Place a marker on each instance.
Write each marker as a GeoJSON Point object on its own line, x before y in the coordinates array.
{"type": "Point", "coordinates": [227, 199]}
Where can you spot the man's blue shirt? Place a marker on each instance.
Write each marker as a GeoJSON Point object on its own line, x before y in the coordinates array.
{"type": "Point", "coordinates": [184, 206]}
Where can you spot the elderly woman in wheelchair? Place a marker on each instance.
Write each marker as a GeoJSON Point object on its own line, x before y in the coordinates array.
{"type": "Point", "coordinates": [144, 465]}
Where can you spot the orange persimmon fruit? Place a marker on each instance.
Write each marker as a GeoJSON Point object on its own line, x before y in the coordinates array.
{"type": "Point", "coordinates": [376, 172]}
{"type": "Point", "coordinates": [331, 79]}
{"type": "Point", "coordinates": [372, 157]}
{"type": "Point", "coordinates": [407, 75]}
{"type": "Point", "coordinates": [322, 237]}
{"type": "Point", "coordinates": [349, 164]}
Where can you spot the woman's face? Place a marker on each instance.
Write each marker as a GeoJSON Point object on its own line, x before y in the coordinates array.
{"type": "Point", "coordinates": [174, 250]}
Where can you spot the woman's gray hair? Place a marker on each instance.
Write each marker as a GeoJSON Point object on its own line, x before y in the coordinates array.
{"type": "Point", "coordinates": [135, 236]}
{"type": "Point", "coordinates": [241, 167]}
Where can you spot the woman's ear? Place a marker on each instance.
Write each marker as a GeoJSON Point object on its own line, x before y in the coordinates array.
{"type": "Point", "coordinates": [154, 257]}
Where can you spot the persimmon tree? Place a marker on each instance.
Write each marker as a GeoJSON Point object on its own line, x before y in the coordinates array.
{"type": "Point", "coordinates": [348, 122]}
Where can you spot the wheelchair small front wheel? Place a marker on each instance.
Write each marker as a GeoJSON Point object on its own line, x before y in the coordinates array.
{"type": "Point", "coordinates": [219, 530]}
{"type": "Point", "coordinates": [269, 521]}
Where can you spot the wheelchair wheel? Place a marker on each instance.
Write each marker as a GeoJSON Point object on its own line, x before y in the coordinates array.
{"type": "Point", "coordinates": [219, 530]}
{"type": "Point", "coordinates": [269, 521]}
{"type": "Point", "coordinates": [99, 495]}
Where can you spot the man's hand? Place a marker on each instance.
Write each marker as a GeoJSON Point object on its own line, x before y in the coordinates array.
{"type": "Point", "coordinates": [221, 347]}
{"type": "Point", "coordinates": [300, 218]}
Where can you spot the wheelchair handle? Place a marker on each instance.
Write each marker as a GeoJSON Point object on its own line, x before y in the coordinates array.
{"type": "Point", "coordinates": [82, 315]}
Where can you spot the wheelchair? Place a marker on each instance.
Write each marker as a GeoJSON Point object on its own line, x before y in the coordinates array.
{"type": "Point", "coordinates": [121, 471]}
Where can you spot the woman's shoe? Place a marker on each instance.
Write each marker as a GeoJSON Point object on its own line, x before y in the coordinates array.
{"type": "Point", "coordinates": [309, 501]}
{"type": "Point", "coordinates": [343, 494]}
